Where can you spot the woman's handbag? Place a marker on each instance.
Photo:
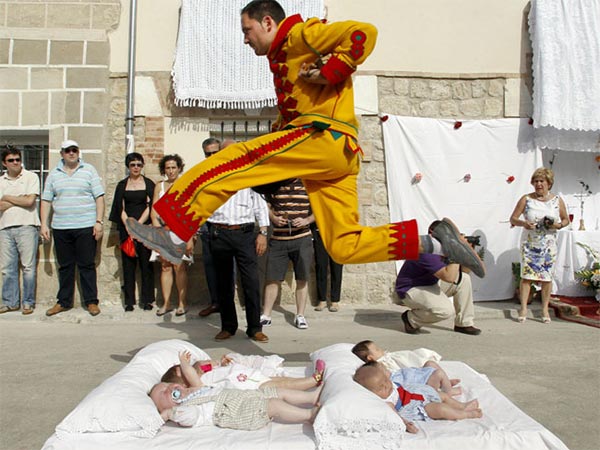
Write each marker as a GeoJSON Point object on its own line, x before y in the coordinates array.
{"type": "Point", "coordinates": [128, 247]}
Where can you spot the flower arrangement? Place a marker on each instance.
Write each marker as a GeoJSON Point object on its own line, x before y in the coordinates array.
{"type": "Point", "coordinates": [590, 277]}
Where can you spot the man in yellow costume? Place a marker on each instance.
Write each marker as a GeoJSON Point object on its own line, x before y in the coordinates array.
{"type": "Point", "coordinates": [314, 139]}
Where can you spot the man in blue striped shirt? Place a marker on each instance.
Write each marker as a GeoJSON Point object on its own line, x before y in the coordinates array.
{"type": "Point", "coordinates": [75, 193]}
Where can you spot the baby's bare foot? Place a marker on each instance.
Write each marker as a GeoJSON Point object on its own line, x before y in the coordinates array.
{"type": "Point", "coordinates": [472, 405]}
{"type": "Point", "coordinates": [474, 414]}
{"type": "Point", "coordinates": [454, 381]}
{"type": "Point", "coordinates": [455, 391]}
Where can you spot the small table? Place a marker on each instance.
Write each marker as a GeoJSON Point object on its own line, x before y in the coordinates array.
{"type": "Point", "coordinates": [570, 258]}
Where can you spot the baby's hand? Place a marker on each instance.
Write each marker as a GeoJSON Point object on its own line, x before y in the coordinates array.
{"type": "Point", "coordinates": [167, 414]}
{"type": "Point", "coordinates": [225, 361]}
{"type": "Point", "coordinates": [410, 426]}
{"type": "Point", "coordinates": [185, 357]}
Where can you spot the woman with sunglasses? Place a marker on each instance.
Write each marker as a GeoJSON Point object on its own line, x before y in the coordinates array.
{"type": "Point", "coordinates": [170, 167]}
{"type": "Point", "coordinates": [133, 198]}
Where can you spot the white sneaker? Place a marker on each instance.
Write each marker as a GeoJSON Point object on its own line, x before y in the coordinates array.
{"type": "Point", "coordinates": [265, 321]}
{"type": "Point", "coordinates": [301, 322]}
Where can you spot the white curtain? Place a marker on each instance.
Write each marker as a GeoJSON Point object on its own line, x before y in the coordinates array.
{"type": "Point", "coordinates": [491, 152]}
{"type": "Point", "coordinates": [213, 68]}
{"type": "Point", "coordinates": [565, 38]}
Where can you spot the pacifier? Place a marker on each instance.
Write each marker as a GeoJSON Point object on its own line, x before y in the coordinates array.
{"type": "Point", "coordinates": [176, 395]}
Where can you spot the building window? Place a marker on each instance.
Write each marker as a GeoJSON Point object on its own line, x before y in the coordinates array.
{"type": "Point", "coordinates": [239, 129]}
{"type": "Point", "coordinates": [34, 150]}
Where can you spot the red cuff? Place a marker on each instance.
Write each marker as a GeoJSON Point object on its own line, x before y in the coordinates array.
{"type": "Point", "coordinates": [336, 71]}
{"type": "Point", "coordinates": [406, 240]}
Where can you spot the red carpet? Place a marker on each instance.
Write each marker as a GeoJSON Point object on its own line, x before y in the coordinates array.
{"type": "Point", "coordinates": [584, 310]}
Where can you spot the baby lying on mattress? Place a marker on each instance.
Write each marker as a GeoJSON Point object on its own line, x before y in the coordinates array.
{"type": "Point", "coordinates": [192, 403]}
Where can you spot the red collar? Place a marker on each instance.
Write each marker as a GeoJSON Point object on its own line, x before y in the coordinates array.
{"type": "Point", "coordinates": [284, 28]}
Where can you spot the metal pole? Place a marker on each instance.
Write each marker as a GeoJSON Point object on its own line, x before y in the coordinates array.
{"type": "Point", "coordinates": [129, 119]}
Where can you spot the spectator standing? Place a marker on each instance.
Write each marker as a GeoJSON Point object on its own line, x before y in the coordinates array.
{"type": "Point", "coordinates": [19, 231]}
{"type": "Point", "coordinates": [322, 262]}
{"type": "Point", "coordinates": [171, 166]}
{"type": "Point", "coordinates": [289, 210]}
{"type": "Point", "coordinates": [210, 146]}
{"type": "Point", "coordinates": [232, 238]}
{"type": "Point", "coordinates": [74, 192]}
{"type": "Point", "coordinates": [133, 198]}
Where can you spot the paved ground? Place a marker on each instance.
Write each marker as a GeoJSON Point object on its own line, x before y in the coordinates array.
{"type": "Point", "coordinates": [50, 364]}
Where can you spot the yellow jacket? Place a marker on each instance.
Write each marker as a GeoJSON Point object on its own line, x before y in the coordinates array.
{"type": "Point", "coordinates": [297, 42]}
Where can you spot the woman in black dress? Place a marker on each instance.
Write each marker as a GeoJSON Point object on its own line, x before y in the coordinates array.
{"type": "Point", "coordinates": [133, 198]}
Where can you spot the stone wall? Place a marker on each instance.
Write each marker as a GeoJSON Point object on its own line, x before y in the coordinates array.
{"type": "Point", "coordinates": [54, 76]}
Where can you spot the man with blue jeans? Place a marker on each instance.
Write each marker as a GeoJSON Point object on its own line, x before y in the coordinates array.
{"type": "Point", "coordinates": [19, 224]}
{"type": "Point", "coordinates": [76, 195]}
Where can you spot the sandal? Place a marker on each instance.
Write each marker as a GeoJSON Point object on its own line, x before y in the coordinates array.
{"type": "Point", "coordinates": [321, 306]}
{"type": "Point", "coordinates": [5, 309]}
{"type": "Point", "coordinates": [319, 371]}
{"type": "Point", "coordinates": [181, 312]}
{"type": "Point", "coordinates": [334, 307]}
{"type": "Point", "coordinates": [546, 319]}
{"type": "Point", "coordinates": [162, 311]}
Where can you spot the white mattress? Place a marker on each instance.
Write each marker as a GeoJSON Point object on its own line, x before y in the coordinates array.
{"type": "Point", "coordinates": [503, 427]}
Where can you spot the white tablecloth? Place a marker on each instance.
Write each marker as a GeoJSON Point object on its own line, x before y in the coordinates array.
{"type": "Point", "coordinates": [572, 257]}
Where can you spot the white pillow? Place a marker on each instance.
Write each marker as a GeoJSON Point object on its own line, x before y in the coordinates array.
{"type": "Point", "coordinates": [352, 417]}
{"type": "Point", "coordinates": [121, 403]}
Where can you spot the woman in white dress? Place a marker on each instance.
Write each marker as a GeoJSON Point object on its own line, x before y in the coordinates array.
{"type": "Point", "coordinates": [543, 214]}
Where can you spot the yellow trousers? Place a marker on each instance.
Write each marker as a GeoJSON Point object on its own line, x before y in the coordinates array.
{"type": "Point", "coordinates": [325, 161]}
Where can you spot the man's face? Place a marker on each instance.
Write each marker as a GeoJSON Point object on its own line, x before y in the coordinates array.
{"type": "Point", "coordinates": [258, 35]}
{"type": "Point", "coordinates": [70, 154]}
{"type": "Point", "coordinates": [12, 163]}
{"type": "Point", "coordinates": [211, 149]}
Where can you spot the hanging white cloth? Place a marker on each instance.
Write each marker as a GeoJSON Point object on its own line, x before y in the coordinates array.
{"type": "Point", "coordinates": [565, 37]}
{"type": "Point", "coordinates": [474, 174]}
{"type": "Point", "coordinates": [213, 68]}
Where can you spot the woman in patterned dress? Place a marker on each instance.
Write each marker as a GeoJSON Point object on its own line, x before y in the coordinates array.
{"type": "Point", "coordinates": [543, 214]}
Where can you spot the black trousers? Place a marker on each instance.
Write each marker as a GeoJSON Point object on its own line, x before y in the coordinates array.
{"type": "Point", "coordinates": [322, 261]}
{"type": "Point", "coordinates": [226, 247]}
{"type": "Point", "coordinates": [147, 276]}
{"type": "Point", "coordinates": [209, 267]}
{"type": "Point", "coordinates": [76, 248]}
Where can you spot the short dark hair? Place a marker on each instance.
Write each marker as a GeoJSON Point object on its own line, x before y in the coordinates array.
{"type": "Point", "coordinates": [10, 150]}
{"type": "Point", "coordinates": [163, 162]}
{"type": "Point", "coordinates": [258, 9]}
{"type": "Point", "coordinates": [133, 157]}
{"type": "Point", "coordinates": [362, 349]}
{"type": "Point", "coordinates": [210, 141]}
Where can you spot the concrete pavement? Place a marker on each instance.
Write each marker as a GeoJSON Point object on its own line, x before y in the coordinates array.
{"type": "Point", "coordinates": [552, 371]}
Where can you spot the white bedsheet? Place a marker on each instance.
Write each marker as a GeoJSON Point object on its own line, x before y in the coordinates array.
{"type": "Point", "coordinates": [503, 427]}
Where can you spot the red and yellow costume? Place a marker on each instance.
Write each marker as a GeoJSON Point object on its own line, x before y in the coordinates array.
{"type": "Point", "coordinates": [314, 139]}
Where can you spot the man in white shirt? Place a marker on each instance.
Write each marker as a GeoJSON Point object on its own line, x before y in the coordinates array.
{"type": "Point", "coordinates": [231, 237]}
{"type": "Point", "coordinates": [19, 231]}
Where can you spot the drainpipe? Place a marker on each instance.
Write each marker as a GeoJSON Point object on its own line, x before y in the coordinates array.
{"type": "Point", "coordinates": [129, 119]}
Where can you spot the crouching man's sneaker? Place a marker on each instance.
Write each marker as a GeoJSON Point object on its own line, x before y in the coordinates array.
{"type": "Point", "coordinates": [157, 239]}
{"type": "Point", "coordinates": [456, 247]}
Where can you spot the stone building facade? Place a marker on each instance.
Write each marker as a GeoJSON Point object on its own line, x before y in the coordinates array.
{"type": "Point", "coordinates": [55, 78]}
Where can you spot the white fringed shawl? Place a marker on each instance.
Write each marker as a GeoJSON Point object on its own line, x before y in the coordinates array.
{"type": "Point", "coordinates": [565, 36]}
{"type": "Point", "coordinates": [213, 68]}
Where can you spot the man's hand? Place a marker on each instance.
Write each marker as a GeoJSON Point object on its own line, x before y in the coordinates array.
{"type": "Point", "coordinates": [261, 245]}
{"type": "Point", "coordinates": [4, 205]}
{"type": "Point", "coordinates": [98, 230]}
{"type": "Point", "coordinates": [312, 72]}
{"type": "Point", "coordinates": [300, 222]}
{"type": "Point", "coordinates": [279, 221]}
{"type": "Point", "coordinates": [45, 233]}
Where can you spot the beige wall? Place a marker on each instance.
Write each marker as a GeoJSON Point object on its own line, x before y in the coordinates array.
{"type": "Point", "coordinates": [431, 36]}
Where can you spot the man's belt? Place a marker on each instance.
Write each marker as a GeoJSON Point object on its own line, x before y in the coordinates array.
{"type": "Point", "coordinates": [241, 226]}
